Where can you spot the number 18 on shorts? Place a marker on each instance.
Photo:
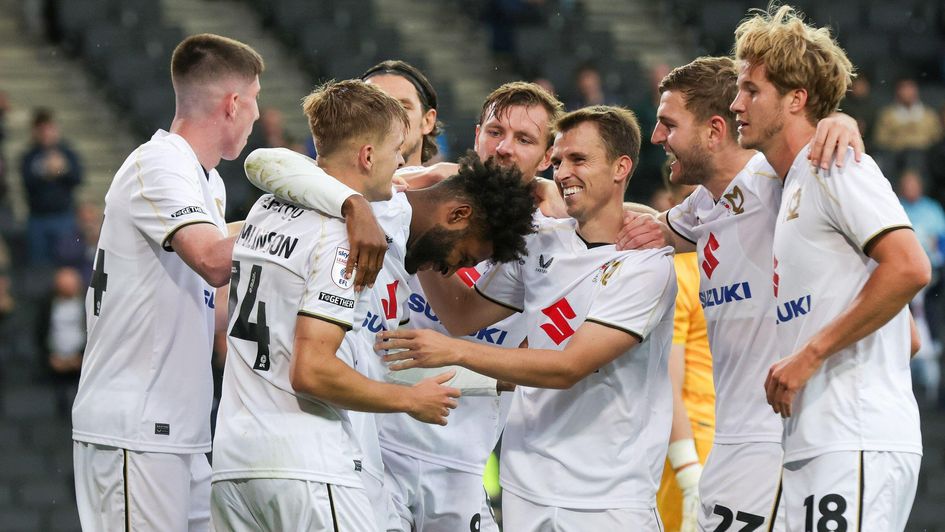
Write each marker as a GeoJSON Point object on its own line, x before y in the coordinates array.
{"type": "Point", "coordinates": [850, 491]}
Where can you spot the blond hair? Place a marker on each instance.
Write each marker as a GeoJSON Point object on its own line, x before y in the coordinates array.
{"type": "Point", "coordinates": [341, 111]}
{"type": "Point", "coordinates": [796, 56]}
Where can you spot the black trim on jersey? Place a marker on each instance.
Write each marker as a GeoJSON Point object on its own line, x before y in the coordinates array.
{"type": "Point", "coordinates": [405, 322]}
{"type": "Point", "coordinates": [634, 334]}
{"type": "Point", "coordinates": [331, 503]}
{"type": "Point", "coordinates": [777, 502]}
{"type": "Point", "coordinates": [867, 247]}
{"type": "Point", "coordinates": [124, 476]}
{"type": "Point", "coordinates": [496, 301]}
{"type": "Point", "coordinates": [673, 229]}
{"type": "Point", "coordinates": [859, 505]}
{"type": "Point", "coordinates": [592, 245]}
{"type": "Point", "coordinates": [658, 522]}
{"type": "Point", "coordinates": [166, 244]}
{"type": "Point", "coordinates": [343, 325]}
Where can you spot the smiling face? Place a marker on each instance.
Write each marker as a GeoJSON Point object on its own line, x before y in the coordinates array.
{"type": "Point", "coordinates": [516, 138]}
{"type": "Point", "coordinates": [758, 108]}
{"type": "Point", "coordinates": [586, 176]}
{"type": "Point", "coordinates": [681, 136]}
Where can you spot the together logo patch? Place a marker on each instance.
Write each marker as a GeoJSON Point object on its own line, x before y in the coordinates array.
{"type": "Point", "coordinates": [188, 210]}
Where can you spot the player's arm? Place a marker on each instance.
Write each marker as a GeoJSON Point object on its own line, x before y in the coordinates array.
{"type": "Point", "coordinates": [642, 229]}
{"type": "Point", "coordinates": [293, 177]}
{"type": "Point", "coordinates": [206, 250]}
{"type": "Point", "coordinates": [834, 135]}
{"type": "Point", "coordinates": [317, 371]}
{"type": "Point", "coordinates": [428, 175]}
{"type": "Point", "coordinates": [460, 308]}
{"type": "Point", "coordinates": [682, 453]}
{"type": "Point", "coordinates": [902, 270]}
{"type": "Point", "coordinates": [591, 347]}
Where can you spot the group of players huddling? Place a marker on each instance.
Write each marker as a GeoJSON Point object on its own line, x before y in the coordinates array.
{"type": "Point", "coordinates": [477, 295]}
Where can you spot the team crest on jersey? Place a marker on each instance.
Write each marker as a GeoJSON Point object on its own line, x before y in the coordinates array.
{"type": "Point", "coordinates": [607, 271]}
{"type": "Point", "coordinates": [735, 200]}
{"type": "Point", "coordinates": [338, 268]}
{"type": "Point", "coordinates": [544, 264]}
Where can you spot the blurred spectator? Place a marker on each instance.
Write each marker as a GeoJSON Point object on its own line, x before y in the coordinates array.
{"type": "Point", "coordinates": [860, 105]}
{"type": "Point", "coordinates": [590, 88]}
{"type": "Point", "coordinates": [546, 84]}
{"type": "Point", "coordinates": [60, 334]}
{"type": "Point", "coordinates": [4, 107]}
{"type": "Point", "coordinates": [935, 162]}
{"type": "Point", "coordinates": [503, 16]}
{"type": "Point", "coordinates": [274, 135]}
{"type": "Point", "coordinates": [51, 171]}
{"type": "Point", "coordinates": [78, 249]}
{"type": "Point", "coordinates": [7, 303]}
{"type": "Point", "coordinates": [928, 221]}
{"type": "Point", "coordinates": [905, 129]}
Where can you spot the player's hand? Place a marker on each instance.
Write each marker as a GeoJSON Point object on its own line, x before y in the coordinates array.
{"type": "Point", "coordinates": [688, 480]}
{"type": "Point", "coordinates": [428, 176]}
{"type": "Point", "coordinates": [431, 401]}
{"type": "Point", "coordinates": [418, 348]}
{"type": "Point", "coordinates": [549, 199]}
{"type": "Point", "coordinates": [504, 386]}
{"type": "Point", "coordinates": [787, 377]}
{"type": "Point", "coordinates": [367, 240]}
{"type": "Point", "coordinates": [642, 231]}
{"type": "Point", "coordinates": [834, 135]}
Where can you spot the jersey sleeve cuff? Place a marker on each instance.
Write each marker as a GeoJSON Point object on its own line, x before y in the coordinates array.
{"type": "Point", "coordinates": [166, 243]}
{"type": "Point", "coordinates": [496, 301]}
{"type": "Point", "coordinates": [341, 323]}
{"type": "Point", "coordinates": [673, 229]}
{"type": "Point", "coordinates": [631, 332]}
{"type": "Point", "coordinates": [867, 246]}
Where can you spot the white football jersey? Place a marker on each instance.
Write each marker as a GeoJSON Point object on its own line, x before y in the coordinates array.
{"type": "Point", "coordinates": [474, 427]}
{"type": "Point", "coordinates": [600, 444]}
{"type": "Point", "coordinates": [733, 238]}
{"type": "Point", "coordinates": [146, 382]}
{"type": "Point", "coordinates": [288, 261]}
{"type": "Point", "coordinates": [861, 397]}
{"type": "Point", "coordinates": [379, 309]}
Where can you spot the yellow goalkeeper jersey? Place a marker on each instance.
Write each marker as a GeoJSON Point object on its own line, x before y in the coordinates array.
{"type": "Point", "coordinates": [689, 329]}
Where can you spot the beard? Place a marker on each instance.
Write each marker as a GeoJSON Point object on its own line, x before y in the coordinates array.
{"type": "Point", "coordinates": [408, 151]}
{"type": "Point", "coordinates": [432, 249]}
{"type": "Point", "coordinates": [696, 165]}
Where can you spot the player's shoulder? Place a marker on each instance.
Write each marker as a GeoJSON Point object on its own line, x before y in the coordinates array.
{"type": "Point", "coordinates": [163, 156]}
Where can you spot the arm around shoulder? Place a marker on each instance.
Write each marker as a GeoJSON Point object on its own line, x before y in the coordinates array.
{"type": "Point", "coordinates": [206, 250]}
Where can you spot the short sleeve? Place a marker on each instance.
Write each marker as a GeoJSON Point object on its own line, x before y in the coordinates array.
{"type": "Point", "coordinates": [682, 219]}
{"type": "Point", "coordinates": [328, 295]}
{"type": "Point", "coordinates": [294, 177]}
{"type": "Point", "coordinates": [860, 202]}
{"type": "Point", "coordinates": [634, 292]}
{"type": "Point", "coordinates": [166, 196]}
{"type": "Point", "coordinates": [503, 285]}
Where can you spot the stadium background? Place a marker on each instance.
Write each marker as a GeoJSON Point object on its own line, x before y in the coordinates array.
{"type": "Point", "coordinates": [101, 66]}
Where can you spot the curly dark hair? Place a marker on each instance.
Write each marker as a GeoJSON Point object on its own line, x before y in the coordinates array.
{"type": "Point", "coordinates": [503, 203]}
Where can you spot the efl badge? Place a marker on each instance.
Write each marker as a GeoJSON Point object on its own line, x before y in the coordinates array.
{"type": "Point", "coordinates": [338, 268]}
